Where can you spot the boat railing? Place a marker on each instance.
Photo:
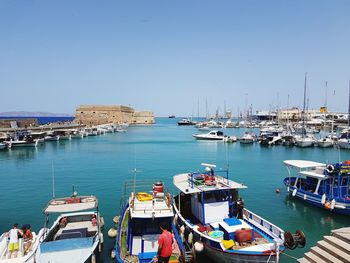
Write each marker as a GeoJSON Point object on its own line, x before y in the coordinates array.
{"type": "Point", "coordinates": [137, 186]}
{"type": "Point", "coordinates": [262, 223]}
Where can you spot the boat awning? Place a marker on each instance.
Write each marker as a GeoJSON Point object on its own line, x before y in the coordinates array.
{"type": "Point", "coordinates": [182, 182]}
{"type": "Point", "coordinates": [71, 204]}
{"type": "Point", "coordinates": [302, 164]}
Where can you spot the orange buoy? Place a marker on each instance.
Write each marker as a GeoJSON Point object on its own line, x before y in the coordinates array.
{"type": "Point", "coordinates": [277, 190]}
{"type": "Point", "coordinates": [327, 205]}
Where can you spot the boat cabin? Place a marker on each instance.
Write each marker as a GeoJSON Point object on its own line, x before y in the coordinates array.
{"type": "Point", "coordinates": [207, 198]}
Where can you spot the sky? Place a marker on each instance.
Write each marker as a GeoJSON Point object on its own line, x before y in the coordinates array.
{"type": "Point", "coordinates": [174, 57]}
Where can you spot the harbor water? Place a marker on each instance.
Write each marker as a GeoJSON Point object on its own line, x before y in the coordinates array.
{"type": "Point", "coordinates": [99, 165]}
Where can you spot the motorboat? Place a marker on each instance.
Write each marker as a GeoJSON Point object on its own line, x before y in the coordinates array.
{"type": "Point", "coordinates": [75, 236]}
{"type": "Point", "coordinates": [247, 138]}
{"type": "Point", "coordinates": [2, 145]}
{"type": "Point", "coordinates": [24, 254]}
{"type": "Point", "coordinates": [140, 217]}
{"type": "Point", "coordinates": [212, 135]}
{"type": "Point", "coordinates": [38, 136]}
{"type": "Point", "coordinates": [208, 208]}
{"type": "Point", "coordinates": [185, 122]}
{"type": "Point", "coordinates": [319, 184]}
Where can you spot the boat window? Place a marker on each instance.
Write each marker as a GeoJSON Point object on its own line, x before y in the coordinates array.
{"type": "Point", "coordinates": [215, 196]}
{"type": "Point", "coordinates": [220, 133]}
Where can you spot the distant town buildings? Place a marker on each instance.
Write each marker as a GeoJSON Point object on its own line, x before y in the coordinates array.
{"type": "Point", "coordinates": [102, 114]}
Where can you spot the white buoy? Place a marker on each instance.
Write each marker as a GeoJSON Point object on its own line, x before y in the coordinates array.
{"type": "Point", "coordinates": [102, 221]}
{"type": "Point", "coordinates": [112, 232]}
{"type": "Point", "coordinates": [198, 246]}
{"type": "Point", "coordinates": [116, 219]}
{"type": "Point", "coordinates": [294, 192]}
{"type": "Point", "coordinates": [101, 238]}
{"type": "Point", "coordinates": [323, 200]}
{"type": "Point", "coordinates": [190, 238]}
{"type": "Point", "coordinates": [113, 254]}
{"type": "Point", "coordinates": [332, 204]}
{"type": "Point", "coordinates": [305, 196]}
{"type": "Point", "coordinates": [93, 258]}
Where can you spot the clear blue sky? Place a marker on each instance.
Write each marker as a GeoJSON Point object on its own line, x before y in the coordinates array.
{"type": "Point", "coordinates": [166, 56]}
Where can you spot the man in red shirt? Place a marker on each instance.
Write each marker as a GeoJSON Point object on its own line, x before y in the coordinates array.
{"type": "Point", "coordinates": [165, 242]}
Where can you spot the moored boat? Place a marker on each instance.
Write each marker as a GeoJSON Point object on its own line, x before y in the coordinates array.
{"type": "Point", "coordinates": [208, 208]}
{"type": "Point", "coordinates": [325, 186]}
{"type": "Point", "coordinates": [26, 248]}
{"type": "Point", "coordinates": [247, 138]}
{"type": "Point", "coordinates": [139, 224]}
{"type": "Point", "coordinates": [212, 135]}
{"type": "Point", "coordinates": [75, 235]}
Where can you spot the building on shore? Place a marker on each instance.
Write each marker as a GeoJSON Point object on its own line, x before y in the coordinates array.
{"type": "Point", "coordinates": [102, 114]}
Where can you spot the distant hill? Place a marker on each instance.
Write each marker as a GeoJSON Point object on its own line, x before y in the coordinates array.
{"type": "Point", "coordinates": [33, 114]}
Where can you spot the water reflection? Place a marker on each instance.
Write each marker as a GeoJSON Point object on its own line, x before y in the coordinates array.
{"type": "Point", "coordinates": [22, 154]}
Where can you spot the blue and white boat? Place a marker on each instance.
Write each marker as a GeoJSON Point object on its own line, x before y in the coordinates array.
{"type": "Point", "coordinates": [138, 228]}
{"type": "Point", "coordinates": [75, 236]}
{"type": "Point", "coordinates": [325, 186]}
{"type": "Point", "coordinates": [211, 217]}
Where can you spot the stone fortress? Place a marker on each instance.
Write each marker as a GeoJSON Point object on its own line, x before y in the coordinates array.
{"type": "Point", "coordinates": [102, 114]}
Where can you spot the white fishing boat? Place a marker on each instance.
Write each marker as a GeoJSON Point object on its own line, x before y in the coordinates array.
{"type": "Point", "coordinates": [211, 215]}
{"type": "Point", "coordinates": [27, 142]}
{"type": "Point", "coordinates": [212, 135]}
{"type": "Point", "coordinates": [75, 235]}
{"type": "Point", "coordinates": [24, 254]}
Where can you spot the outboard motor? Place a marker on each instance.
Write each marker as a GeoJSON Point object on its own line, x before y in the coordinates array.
{"type": "Point", "coordinates": [292, 241]}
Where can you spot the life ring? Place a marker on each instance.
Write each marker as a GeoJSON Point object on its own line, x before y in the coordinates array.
{"type": "Point", "coordinates": [330, 168]}
{"type": "Point", "coordinates": [141, 196]}
{"type": "Point", "coordinates": [88, 199]}
{"type": "Point", "coordinates": [57, 202]}
{"type": "Point", "coordinates": [327, 205]}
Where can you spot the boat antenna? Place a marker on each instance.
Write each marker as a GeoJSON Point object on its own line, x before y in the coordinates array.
{"type": "Point", "coordinates": [53, 179]}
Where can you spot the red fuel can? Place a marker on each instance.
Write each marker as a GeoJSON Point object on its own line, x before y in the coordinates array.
{"type": "Point", "coordinates": [244, 235]}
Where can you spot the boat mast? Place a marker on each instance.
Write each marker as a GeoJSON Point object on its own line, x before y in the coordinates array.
{"type": "Point", "coordinates": [349, 107]}
{"type": "Point", "coordinates": [303, 128]}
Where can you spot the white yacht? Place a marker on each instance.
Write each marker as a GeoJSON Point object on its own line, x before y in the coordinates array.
{"type": "Point", "coordinates": [212, 135]}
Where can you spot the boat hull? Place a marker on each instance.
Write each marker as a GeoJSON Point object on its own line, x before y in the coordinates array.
{"type": "Point", "coordinates": [341, 206]}
{"type": "Point", "coordinates": [227, 257]}
{"type": "Point", "coordinates": [344, 144]}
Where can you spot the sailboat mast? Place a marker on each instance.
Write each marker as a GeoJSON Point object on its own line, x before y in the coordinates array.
{"type": "Point", "coordinates": [349, 107]}
{"type": "Point", "coordinates": [303, 129]}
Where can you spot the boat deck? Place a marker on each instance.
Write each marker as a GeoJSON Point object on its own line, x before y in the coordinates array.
{"type": "Point", "coordinates": [76, 229]}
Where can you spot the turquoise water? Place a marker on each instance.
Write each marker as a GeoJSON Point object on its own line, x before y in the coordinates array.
{"type": "Point", "coordinates": [99, 166]}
